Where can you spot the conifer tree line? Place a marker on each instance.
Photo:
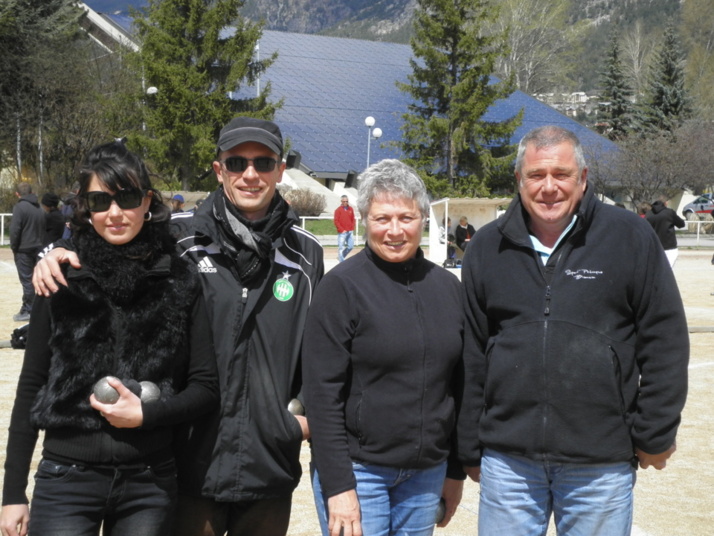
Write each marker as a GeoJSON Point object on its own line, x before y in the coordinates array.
{"type": "Point", "coordinates": [62, 92]}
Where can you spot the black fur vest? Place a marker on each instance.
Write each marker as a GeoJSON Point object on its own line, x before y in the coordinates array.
{"type": "Point", "coordinates": [125, 313]}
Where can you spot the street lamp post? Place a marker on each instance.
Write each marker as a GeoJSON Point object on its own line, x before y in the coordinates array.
{"type": "Point", "coordinates": [371, 134]}
{"type": "Point", "coordinates": [151, 90]}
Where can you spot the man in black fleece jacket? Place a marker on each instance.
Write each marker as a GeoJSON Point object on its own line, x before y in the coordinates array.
{"type": "Point", "coordinates": [576, 352]}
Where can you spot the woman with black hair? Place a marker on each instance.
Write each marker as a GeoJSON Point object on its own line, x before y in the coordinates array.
{"type": "Point", "coordinates": [132, 312]}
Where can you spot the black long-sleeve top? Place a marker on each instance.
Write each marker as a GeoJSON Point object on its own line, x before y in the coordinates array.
{"type": "Point", "coordinates": [381, 346]}
{"type": "Point", "coordinates": [150, 443]}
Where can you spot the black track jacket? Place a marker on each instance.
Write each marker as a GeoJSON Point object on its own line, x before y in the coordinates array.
{"type": "Point", "coordinates": [251, 449]}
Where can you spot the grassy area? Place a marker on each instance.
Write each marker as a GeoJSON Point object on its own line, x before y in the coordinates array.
{"type": "Point", "coordinates": [320, 227]}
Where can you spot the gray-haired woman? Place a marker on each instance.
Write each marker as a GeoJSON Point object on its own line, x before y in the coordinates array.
{"type": "Point", "coordinates": [381, 349]}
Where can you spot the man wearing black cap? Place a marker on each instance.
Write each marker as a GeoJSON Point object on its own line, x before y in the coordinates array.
{"type": "Point", "coordinates": [259, 269]}
{"type": "Point", "coordinates": [238, 468]}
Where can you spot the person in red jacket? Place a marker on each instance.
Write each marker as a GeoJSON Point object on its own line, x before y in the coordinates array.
{"type": "Point", "coordinates": [345, 224]}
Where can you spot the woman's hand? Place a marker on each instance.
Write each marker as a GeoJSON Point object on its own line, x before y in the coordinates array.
{"type": "Point", "coordinates": [344, 514]}
{"type": "Point", "coordinates": [14, 519]}
{"type": "Point", "coordinates": [48, 273]}
{"type": "Point", "coordinates": [451, 493]}
{"type": "Point", "coordinates": [125, 412]}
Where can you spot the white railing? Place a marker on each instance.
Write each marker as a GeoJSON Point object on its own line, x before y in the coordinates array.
{"type": "Point", "coordinates": [3, 242]}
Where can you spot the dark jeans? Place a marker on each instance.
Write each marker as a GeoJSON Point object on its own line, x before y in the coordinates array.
{"type": "Point", "coordinates": [77, 501]}
{"type": "Point", "coordinates": [198, 516]}
{"type": "Point", "coordinates": [25, 263]}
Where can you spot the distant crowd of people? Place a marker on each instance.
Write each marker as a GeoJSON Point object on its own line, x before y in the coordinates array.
{"type": "Point", "coordinates": [177, 361]}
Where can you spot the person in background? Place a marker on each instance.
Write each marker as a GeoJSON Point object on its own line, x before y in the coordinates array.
{"type": "Point", "coordinates": [447, 237]}
{"type": "Point", "coordinates": [133, 312]}
{"type": "Point", "coordinates": [258, 268]}
{"type": "Point", "coordinates": [575, 353]}
{"type": "Point", "coordinates": [643, 208]}
{"type": "Point", "coordinates": [54, 219]}
{"type": "Point", "coordinates": [68, 209]}
{"type": "Point", "coordinates": [663, 220]}
{"type": "Point", "coordinates": [177, 204]}
{"type": "Point", "coordinates": [344, 219]}
{"type": "Point", "coordinates": [27, 230]}
{"type": "Point", "coordinates": [464, 232]}
{"type": "Point", "coordinates": [381, 361]}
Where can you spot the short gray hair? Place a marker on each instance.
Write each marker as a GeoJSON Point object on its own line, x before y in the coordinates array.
{"type": "Point", "coordinates": [549, 136]}
{"type": "Point", "coordinates": [392, 179]}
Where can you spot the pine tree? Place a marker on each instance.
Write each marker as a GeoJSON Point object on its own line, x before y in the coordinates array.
{"type": "Point", "coordinates": [446, 134]}
{"type": "Point", "coordinates": [196, 53]}
{"type": "Point", "coordinates": [28, 29]}
{"type": "Point", "coordinates": [619, 112]}
{"type": "Point", "coordinates": [668, 104]}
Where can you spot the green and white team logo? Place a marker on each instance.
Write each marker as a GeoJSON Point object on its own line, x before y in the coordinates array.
{"type": "Point", "coordinates": [283, 289]}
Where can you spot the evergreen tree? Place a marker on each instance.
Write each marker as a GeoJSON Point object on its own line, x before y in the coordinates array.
{"type": "Point", "coordinates": [28, 29]}
{"type": "Point", "coordinates": [196, 53]}
{"type": "Point", "coordinates": [616, 91]}
{"type": "Point", "coordinates": [667, 105]}
{"type": "Point", "coordinates": [447, 135]}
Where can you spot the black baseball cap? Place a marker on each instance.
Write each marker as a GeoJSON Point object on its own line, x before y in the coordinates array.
{"type": "Point", "coordinates": [243, 129]}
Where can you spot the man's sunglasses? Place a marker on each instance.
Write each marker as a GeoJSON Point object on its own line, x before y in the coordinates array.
{"type": "Point", "coordinates": [238, 164]}
{"type": "Point", "coordinates": [126, 199]}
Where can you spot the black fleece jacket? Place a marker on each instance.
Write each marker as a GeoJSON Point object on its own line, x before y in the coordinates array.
{"type": "Point", "coordinates": [382, 342]}
{"type": "Point", "coordinates": [578, 361]}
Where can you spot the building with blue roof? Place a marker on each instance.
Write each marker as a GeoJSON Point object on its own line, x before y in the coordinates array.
{"type": "Point", "coordinates": [331, 84]}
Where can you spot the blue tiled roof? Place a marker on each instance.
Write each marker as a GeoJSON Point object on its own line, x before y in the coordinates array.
{"type": "Point", "coordinates": [331, 84]}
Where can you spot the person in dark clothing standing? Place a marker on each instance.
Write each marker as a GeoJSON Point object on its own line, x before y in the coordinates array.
{"type": "Point", "coordinates": [27, 231]}
{"type": "Point", "coordinates": [663, 220]}
{"type": "Point", "coordinates": [382, 345]}
{"type": "Point", "coordinates": [132, 312]}
{"type": "Point", "coordinates": [575, 353]}
{"type": "Point", "coordinates": [54, 219]}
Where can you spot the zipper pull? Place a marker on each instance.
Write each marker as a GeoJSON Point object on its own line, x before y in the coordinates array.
{"type": "Point", "coordinates": [546, 312]}
{"type": "Point", "coordinates": [245, 294]}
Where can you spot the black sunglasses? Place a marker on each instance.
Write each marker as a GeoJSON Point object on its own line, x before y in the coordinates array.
{"type": "Point", "coordinates": [126, 199]}
{"type": "Point", "coordinates": [238, 164]}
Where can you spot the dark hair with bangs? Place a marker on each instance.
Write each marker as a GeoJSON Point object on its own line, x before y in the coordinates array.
{"type": "Point", "coordinates": [118, 169]}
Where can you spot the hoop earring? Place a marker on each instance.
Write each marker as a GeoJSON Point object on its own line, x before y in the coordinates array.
{"type": "Point", "coordinates": [147, 216]}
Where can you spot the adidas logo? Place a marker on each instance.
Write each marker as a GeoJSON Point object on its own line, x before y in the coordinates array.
{"type": "Point", "coordinates": [205, 266]}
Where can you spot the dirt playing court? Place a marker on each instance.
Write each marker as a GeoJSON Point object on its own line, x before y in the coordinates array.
{"type": "Point", "coordinates": [676, 501]}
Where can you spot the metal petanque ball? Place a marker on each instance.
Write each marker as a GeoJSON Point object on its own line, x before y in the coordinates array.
{"type": "Point", "coordinates": [295, 407]}
{"type": "Point", "coordinates": [105, 393]}
{"type": "Point", "coordinates": [150, 392]}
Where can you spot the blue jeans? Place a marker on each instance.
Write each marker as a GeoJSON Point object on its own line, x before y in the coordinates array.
{"type": "Point", "coordinates": [71, 500]}
{"type": "Point", "coordinates": [345, 243]}
{"type": "Point", "coordinates": [393, 502]}
{"type": "Point", "coordinates": [519, 494]}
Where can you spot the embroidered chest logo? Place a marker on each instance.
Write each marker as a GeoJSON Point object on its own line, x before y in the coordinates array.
{"type": "Point", "coordinates": [283, 289]}
{"type": "Point", "coordinates": [583, 273]}
{"type": "Point", "coordinates": [206, 267]}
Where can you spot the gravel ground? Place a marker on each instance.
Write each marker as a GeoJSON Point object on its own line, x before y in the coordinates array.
{"type": "Point", "coordinates": [676, 501]}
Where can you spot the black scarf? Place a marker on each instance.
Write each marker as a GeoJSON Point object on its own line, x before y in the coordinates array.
{"type": "Point", "coordinates": [250, 242]}
{"type": "Point", "coordinates": [117, 269]}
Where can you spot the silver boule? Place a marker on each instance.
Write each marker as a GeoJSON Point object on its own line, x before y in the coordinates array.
{"type": "Point", "coordinates": [150, 392]}
{"type": "Point", "coordinates": [105, 393]}
{"type": "Point", "coordinates": [295, 407]}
